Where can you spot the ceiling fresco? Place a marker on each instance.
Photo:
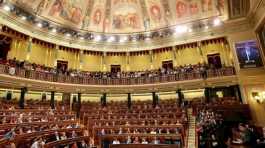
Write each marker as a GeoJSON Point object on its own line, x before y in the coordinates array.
{"type": "Point", "coordinates": [123, 16]}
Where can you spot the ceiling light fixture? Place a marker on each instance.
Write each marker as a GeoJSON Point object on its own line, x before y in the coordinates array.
{"type": "Point", "coordinates": [23, 18]}
{"type": "Point", "coordinates": [148, 34]}
{"type": "Point", "coordinates": [54, 30]}
{"type": "Point", "coordinates": [39, 25]}
{"type": "Point", "coordinates": [111, 39]}
{"type": "Point", "coordinates": [216, 22]}
{"type": "Point", "coordinates": [7, 8]}
{"type": "Point", "coordinates": [98, 38]}
{"type": "Point", "coordinates": [147, 39]}
{"type": "Point", "coordinates": [123, 39]}
{"type": "Point", "coordinates": [68, 34]}
{"type": "Point", "coordinates": [181, 29]}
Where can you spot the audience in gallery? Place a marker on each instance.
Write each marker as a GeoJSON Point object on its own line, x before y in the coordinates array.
{"type": "Point", "coordinates": [207, 122]}
{"type": "Point", "coordinates": [198, 68]}
{"type": "Point", "coordinates": [214, 132]}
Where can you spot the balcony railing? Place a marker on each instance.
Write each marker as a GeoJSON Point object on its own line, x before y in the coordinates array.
{"type": "Point", "coordinates": [86, 80]}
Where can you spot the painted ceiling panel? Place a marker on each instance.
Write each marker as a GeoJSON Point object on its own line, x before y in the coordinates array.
{"type": "Point", "coordinates": [123, 16]}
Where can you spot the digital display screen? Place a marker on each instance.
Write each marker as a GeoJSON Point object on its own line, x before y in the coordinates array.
{"type": "Point", "coordinates": [248, 54]}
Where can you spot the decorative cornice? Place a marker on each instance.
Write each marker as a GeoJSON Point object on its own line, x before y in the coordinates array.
{"type": "Point", "coordinates": [227, 28]}
{"type": "Point", "coordinates": [17, 82]}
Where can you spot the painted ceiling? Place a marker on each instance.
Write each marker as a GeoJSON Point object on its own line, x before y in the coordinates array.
{"type": "Point", "coordinates": [123, 16]}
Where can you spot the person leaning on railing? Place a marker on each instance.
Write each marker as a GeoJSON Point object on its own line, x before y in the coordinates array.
{"type": "Point", "coordinates": [181, 72]}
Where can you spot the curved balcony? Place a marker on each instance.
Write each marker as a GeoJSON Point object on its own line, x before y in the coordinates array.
{"type": "Point", "coordinates": [86, 80]}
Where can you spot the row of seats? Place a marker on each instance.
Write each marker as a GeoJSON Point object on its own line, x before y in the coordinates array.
{"type": "Point", "coordinates": [41, 127]}
{"type": "Point", "coordinates": [143, 121]}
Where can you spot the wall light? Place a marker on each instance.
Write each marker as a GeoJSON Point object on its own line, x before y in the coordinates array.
{"type": "Point", "coordinates": [259, 96]}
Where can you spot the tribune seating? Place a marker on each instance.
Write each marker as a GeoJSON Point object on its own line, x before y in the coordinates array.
{"type": "Point", "coordinates": [22, 126]}
{"type": "Point", "coordinates": [166, 121]}
{"type": "Point", "coordinates": [224, 107]}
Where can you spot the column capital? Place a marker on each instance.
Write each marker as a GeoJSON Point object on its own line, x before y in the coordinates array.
{"type": "Point", "coordinates": [81, 51]}
{"type": "Point", "coordinates": [30, 39]}
{"type": "Point", "coordinates": [150, 52]}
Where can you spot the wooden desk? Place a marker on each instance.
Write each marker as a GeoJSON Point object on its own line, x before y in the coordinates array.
{"type": "Point", "coordinates": [65, 142]}
{"type": "Point", "coordinates": [9, 126]}
{"type": "Point", "coordinates": [23, 138]}
{"type": "Point", "coordinates": [122, 137]}
{"type": "Point", "coordinates": [144, 146]}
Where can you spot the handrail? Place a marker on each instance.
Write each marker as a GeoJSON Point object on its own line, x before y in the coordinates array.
{"type": "Point", "coordinates": [85, 80]}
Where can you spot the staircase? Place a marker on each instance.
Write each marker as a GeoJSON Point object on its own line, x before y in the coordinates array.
{"type": "Point", "coordinates": [191, 141]}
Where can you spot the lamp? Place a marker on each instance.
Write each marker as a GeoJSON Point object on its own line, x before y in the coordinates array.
{"type": "Point", "coordinates": [259, 96]}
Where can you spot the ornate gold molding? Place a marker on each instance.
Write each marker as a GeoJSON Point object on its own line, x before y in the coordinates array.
{"type": "Point", "coordinates": [17, 82]}
{"type": "Point", "coordinates": [227, 28]}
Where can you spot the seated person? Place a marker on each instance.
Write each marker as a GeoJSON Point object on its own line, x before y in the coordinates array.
{"type": "Point", "coordinates": [246, 136]}
{"type": "Point", "coordinates": [91, 142]}
{"type": "Point", "coordinates": [83, 144]}
{"type": "Point", "coordinates": [128, 140]}
{"type": "Point", "coordinates": [112, 131]}
{"type": "Point", "coordinates": [120, 130]}
{"type": "Point", "coordinates": [116, 141]}
{"type": "Point", "coordinates": [107, 124]}
{"type": "Point", "coordinates": [136, 141]}
{"type": "Point", "coordinates": [156, 141]}
{"type": "Point", "coordinates": [63, 137]}
{"type": "Point", "coordinates": [156, 123]}
{"type": "Point", "coordinates": [85, 133]}
{"type": "Point", "coordinates": [152, 131]}
{"type": "Point", "coordinates": [144, 141]}
{"type": "Point", "coordinates": [128, 131]}
{"type": "Point", "coordinates": [56, 136]}
{"type": "Point", "coordinates": [136, 131]}
{"type": "Point", "coordinates": [127, 124]}
{"type": "Point", "coordinates": [178, 122]}
{"type": "Point", "coordinates": [167, 131]}
{"type": "Point", "coordinates": [74, 135]}
{"type": "Point", "coordinates": [261, 140]}
{"type": "Point", "coordinates": [102, 132]}
{"type": "Point", "coordinates": [36, 143]}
